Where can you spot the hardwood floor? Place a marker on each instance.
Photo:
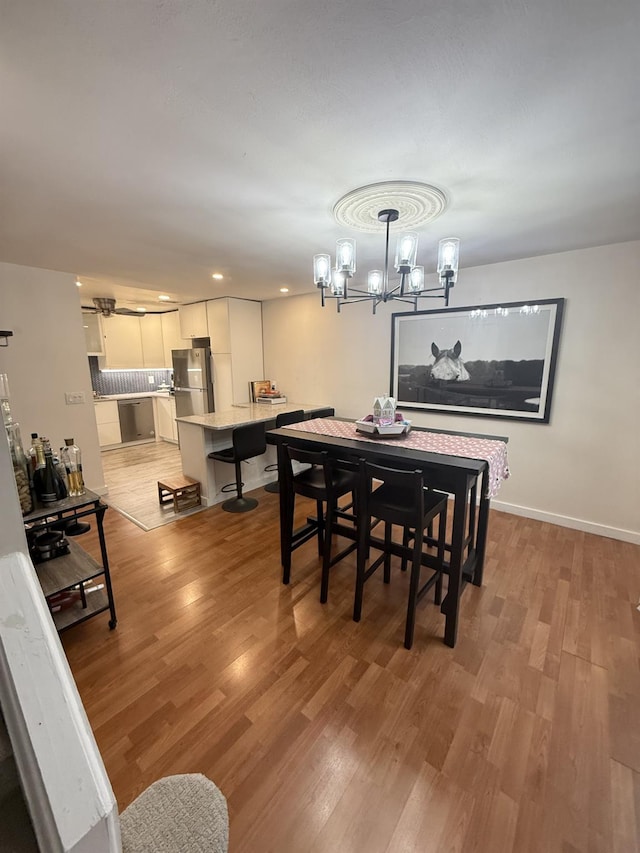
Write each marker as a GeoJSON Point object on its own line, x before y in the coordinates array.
{"type": "Point", "coordinates": [327, 735]}
{"type": "Point", "coordinates": [132, 473]}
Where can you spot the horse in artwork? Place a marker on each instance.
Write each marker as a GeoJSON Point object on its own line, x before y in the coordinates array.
{"type": "Point", "coordinates": [448, 365]}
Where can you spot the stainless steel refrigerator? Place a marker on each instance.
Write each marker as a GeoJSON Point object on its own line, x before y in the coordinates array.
{"type": "Point", "coordinates": [193, 381]}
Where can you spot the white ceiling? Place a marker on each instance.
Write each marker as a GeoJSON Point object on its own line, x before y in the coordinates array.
{"type": "Point", "coordinates": [148, 143]}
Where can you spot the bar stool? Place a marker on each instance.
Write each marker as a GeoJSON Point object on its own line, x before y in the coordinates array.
{"type": "Point", "coordinates": [326, 481]}
{"type": "Point", "coordinates": [248, 441]}
{"type": "Point", "coordinates": [283, 419]}
{"type": "Point", "coordinates": [401, 499]}
{"type": "Point", "coordinates": [320, 413]}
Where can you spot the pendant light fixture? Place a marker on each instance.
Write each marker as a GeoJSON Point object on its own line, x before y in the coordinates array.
{"type": "Point", "coordinates": [421, 203]}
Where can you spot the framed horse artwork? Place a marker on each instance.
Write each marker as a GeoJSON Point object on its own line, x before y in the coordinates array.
{"type": "Point", "coordinates": [495, 361]}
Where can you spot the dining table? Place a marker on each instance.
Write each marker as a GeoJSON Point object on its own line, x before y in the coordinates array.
{"type": "Point", "coordinates": [470, 467]}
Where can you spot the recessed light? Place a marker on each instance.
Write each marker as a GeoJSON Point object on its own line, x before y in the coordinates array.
{"type": "Point", "coordinates": [164, 298]}
{"type": "Point", "coordinates": [217, 276]}
{"type": "Point", "coordinates": [284, 290]}
{"type": "Point", "coordinates": [141, 309]}
{"type": "Point", "coordinates": [78, 283]}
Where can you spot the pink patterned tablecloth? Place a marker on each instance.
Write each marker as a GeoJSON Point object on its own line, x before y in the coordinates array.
{"type": "Point", "coordinates": [495, 452]}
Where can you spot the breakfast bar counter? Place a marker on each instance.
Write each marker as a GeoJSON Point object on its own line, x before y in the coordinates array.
{"type": "Point", "coordinates": [199, 435]}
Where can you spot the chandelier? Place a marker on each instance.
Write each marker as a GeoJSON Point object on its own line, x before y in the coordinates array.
{"type": "Point", "coordinates": [383, 204]}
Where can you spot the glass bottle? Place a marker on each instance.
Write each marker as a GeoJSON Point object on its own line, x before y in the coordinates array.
{"type": "Point", "coordinates": [32, 458]}
{"type": "Point", "coordinates": [4, 400]}
{"type": "Point", "coordinates": [61, 468]}
{"type": "Point", "coordinates": [46, 480]}
{"type": "Point", "coordinates": [20, 468]}
{"type": "Point", "coordinates": [72, 457]}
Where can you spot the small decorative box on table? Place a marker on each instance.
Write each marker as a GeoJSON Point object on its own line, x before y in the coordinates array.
{"type": "Point", "coordinates": [385, 420]}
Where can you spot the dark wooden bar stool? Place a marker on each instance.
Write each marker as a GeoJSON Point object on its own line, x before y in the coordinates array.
{"type": "Point", "coordinates": [325, 481]}
{"type": "Point", "coordinates": [283, 419]}
{"type": "Point", "coordinates": [320, 413]}
{"type": "Point", "coordinates": [401, 499]}
{"type": "Point", "coordinates": [248, 441]}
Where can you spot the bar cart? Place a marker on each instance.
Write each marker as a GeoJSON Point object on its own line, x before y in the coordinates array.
{"type": "Point", "coordinates": [68, 575]}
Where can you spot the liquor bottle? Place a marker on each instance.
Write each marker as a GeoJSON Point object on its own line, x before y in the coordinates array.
{"type": "Point", "coordinates": [33, 459]}
{"type": "Point", "coordinates": [46, 480]}
{"type": "Point", "coordinates": [72, 458]}
{"type": "Point", "coordinates": [61, 468]}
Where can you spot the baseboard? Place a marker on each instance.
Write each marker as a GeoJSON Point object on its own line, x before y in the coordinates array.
{"type": "Point", "coordinates": [566, 521]}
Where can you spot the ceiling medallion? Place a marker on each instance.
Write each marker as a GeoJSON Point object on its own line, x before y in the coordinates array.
{"type": "Point", "coordinates": [416, 204]}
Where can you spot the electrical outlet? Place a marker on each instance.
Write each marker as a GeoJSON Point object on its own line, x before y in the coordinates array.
{"type": "Point", "coordinates": [152, 380]}
{"type": "Point", "coordinates": [74, 398]}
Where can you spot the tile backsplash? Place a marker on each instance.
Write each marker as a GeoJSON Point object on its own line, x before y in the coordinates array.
{"type": "Point", "coordinates": [125, 381]}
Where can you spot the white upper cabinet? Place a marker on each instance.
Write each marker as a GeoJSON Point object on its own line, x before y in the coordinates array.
{"type": "Point", "coordinates": [245, 329]}
{"type": "Point", "coordinates": [171, 338]}
{"type": "Point", "coordinates": [218, 323]}
{"type": "Point", "coordinates": [132, 343]}
{"type": "Point", "coordinates": [92, 332]}
{"type": "Point", "coordinates": [235, 330]}
{"type": "Point", "coordinates": [151, 335]}
{"type": "Point", "coordinates": [122, 343]}
{"type": "Point", "coordinates": [193, 320]}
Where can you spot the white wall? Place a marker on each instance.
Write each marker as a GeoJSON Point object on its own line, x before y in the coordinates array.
{"type": "Point", "coordinates": [582, 469]}
{"type": "Point", "coordinates": [46, 357]}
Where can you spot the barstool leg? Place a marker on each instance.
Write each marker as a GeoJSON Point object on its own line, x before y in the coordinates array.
{"type": "Point", "coordinates": [362, 553]}
{"type": "Point", "coordinates": [442, 530]}
{"type": "Point", "coordinates": [387, 556]}
{"type": "Point", "coordinates": [239, 479]}
{"type": "Point", "coordinates": [321, 527]}
{"type": "Point", "coordinates": [287, 509]}
{"type": "Point", "coordinates": [239, 503]}
{"type": "Point", "coordinates": [326, 555]}
{"type": "Point", "coordinates": [413, 592]}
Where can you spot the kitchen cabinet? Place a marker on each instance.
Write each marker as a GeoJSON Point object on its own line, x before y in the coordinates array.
{"type": "Point", "coordinates": [218, 324]}
{"type": "Point", "coordinates": [166, 426]}
{"type": "Point", "coordinates": [108, 422]}
{"type": "Point", "coordinates": [193, 320]}
{"type": "Point", "coordinates": [75, 586]}
{"type": "Point", "coordinates": [93, 332]}
{"type": "Point", "coordinates": [132, 343]}
{"type": "Point", "coordinates": [122, 343]}
{"type": "Point", "coordinates": [171, 338]}
{"type": "Point", "coordinates": [235, 330]}
{"type": "Point", "coordinates": [152, 345]}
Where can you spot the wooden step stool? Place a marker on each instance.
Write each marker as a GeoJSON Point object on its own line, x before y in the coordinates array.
{"type": "Point", "coordinates": [183, 491]}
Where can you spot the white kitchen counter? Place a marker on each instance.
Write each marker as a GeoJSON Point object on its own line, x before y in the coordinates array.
{"type": "Point", "coordinates": [133, 396]}
{"type": "Point", "coordinates": [248, 413]}
{"type": "Point", "coordinates": [201, 434]}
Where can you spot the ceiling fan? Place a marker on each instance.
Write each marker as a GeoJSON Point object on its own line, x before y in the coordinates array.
{"type": "Point", "coordinates": [106, 306]}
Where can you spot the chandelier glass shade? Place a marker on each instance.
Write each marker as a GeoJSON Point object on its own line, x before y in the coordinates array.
{"type": "Point", "coordinates": [335, 282]}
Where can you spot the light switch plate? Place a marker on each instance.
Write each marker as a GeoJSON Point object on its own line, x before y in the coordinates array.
{"type": "Point", "coordinates": [74, 398]}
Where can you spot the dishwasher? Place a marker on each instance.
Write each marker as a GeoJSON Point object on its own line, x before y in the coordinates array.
{"type": "Point", "coordinates": [136, 419]}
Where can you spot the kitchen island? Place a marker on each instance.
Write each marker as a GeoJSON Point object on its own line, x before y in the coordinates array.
{"type": "Point", "coordinates": [199, 435]}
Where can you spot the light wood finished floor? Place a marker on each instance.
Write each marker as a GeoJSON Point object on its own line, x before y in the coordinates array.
{"type": "Point", "coordinates": [132, 473]}
{"type": "Point", "coordinates": [326, 735]}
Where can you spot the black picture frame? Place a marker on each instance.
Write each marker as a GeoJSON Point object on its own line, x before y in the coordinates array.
{"type": "Point", "coordinates": [496, 361]}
